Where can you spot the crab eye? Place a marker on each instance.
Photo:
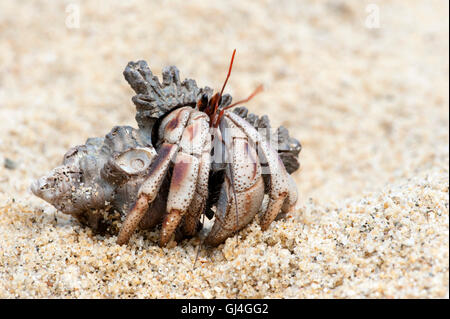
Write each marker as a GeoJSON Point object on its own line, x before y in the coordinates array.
{"type": "Point", "coordinates": [204, 99]}
{"type": "Point", "coordinates": [203, 102]}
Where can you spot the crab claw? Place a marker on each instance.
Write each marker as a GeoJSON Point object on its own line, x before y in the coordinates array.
{"type": "Point", "coordinates": [282, 189]}
{"type": "Point", "coordinates": [242, 193]}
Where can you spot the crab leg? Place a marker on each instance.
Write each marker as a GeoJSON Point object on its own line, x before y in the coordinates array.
{"type": "Point", "coordinates": [157, 209]}
{"type": "Point", "coordinates": [242, 193]}
{"type": "Point", "coordinates": [282, 188]}
{"type": "Point", "coordinates": [147, 192]}
{"type": "Point", "coordinates": [173, 127]}
{"type": "Point", "coordinates": [182, 188]}
{"type": "Point", "coordinates": [198, 203]}
{"type": "Point", "coordinates": [185, 175]}
{"type": "Point", "coordinates": [283, 192]}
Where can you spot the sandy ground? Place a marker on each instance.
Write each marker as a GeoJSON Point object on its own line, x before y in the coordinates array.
{"type": "Point", "coordinates": [370, 106]}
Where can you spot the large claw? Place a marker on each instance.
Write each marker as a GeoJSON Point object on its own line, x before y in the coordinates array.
{"type": "Point", "coordinates": [242, 193]}
{"type": "Point", "coordinates": [282, 188]}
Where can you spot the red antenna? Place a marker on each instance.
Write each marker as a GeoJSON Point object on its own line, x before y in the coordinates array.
{"type": "Point", "coordinates": [217, 100]}
{"type": "Point", "coordinates": [229, 72]}
{"type": "Point", "coordinates": [259, 89]}
{"type": "Point", "coordinates": [216, 104]}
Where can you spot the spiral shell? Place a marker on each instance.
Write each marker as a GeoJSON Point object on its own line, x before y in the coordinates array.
{"type": "Point", "coordinates": [103, 174]}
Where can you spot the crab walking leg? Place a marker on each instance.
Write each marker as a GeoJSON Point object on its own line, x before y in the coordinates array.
{"type": "Point", "coordinates": [243, 188]}
{"type": "Point", "coordinates": [157, 209]}
{"type": "Point", "coordinates": [172, 129]}
{"type": "Point", "coordinates": [185, 173]}
{"type": "Point", "coordinates": [282, 189]}
{"type": "Point", "coordinates": [198, 203]}
{"type": "Point", "coordinates": [291, 199]}
{"type": "Point", "coordinates": [147, 192]}
{"type": "Point", "coordinates": [182, 188]}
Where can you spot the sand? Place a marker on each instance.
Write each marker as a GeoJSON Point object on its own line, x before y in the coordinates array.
{"type": "Point", "coordinates": [370, 106]}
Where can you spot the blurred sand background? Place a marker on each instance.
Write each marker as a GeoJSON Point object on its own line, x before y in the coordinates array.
{"type": "Point", "coordinates": [369, 105]}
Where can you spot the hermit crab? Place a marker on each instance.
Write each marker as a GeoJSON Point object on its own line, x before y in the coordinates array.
{"type": "Point", "coordinates": [192, 156]}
